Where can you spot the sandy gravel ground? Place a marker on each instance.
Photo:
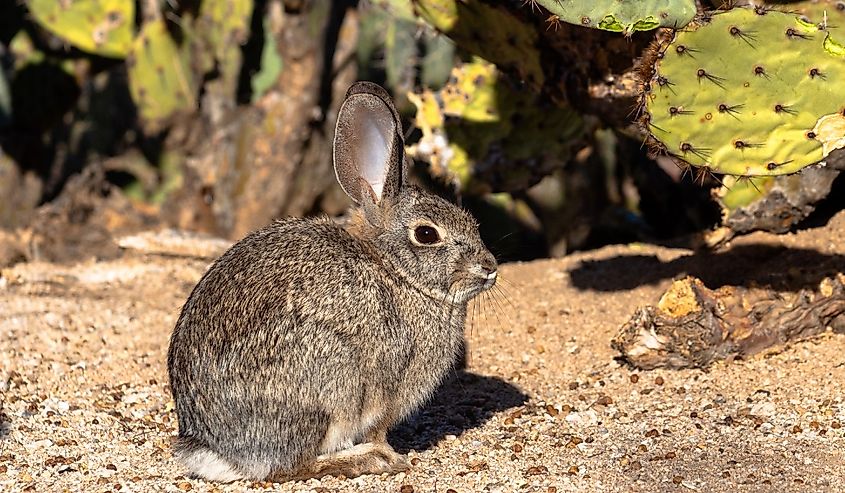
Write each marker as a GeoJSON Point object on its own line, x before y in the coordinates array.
{"type": "Point", "coordinates": [542, 407]}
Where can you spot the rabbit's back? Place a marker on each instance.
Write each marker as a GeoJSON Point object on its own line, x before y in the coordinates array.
{"type": "Point", "coordinates": [304, 267]}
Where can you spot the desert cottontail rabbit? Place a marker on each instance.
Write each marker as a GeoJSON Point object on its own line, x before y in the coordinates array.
{"type": "Point", "coordinates": [305, 342]}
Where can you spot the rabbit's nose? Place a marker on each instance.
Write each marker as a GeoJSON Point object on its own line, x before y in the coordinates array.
{"type": "Point", "coordinates": [488, 264]}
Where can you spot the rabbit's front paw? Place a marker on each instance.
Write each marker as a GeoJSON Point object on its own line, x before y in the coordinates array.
{"type": "Point", "coordinates": [394, 461]}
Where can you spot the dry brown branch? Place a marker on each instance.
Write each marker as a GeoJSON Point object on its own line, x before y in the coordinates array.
{"type": "Point", "coordinates": [693, 326]}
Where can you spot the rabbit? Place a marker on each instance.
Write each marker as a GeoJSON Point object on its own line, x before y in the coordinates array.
{"type": "Point", "coordinates": [304, 343]}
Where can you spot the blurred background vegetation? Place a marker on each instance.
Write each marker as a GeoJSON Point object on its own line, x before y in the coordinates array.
{"type": "Point", "coordinates": [217, 116]}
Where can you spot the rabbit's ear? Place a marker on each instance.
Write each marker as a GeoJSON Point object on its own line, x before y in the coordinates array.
{"type": "Point", "coordinates": [369, 153]}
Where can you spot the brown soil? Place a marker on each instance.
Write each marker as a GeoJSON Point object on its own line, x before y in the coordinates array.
{"type": "Point", "coordinates": [543, 405]}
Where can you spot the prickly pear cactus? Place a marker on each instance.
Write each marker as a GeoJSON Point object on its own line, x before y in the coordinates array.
{"type": "Point", "coordinates": [625, 16]}
{"type": "Point", "coordinates": [221, 27]}
{"type": "Point", "coordinates": [103, 27]}
{"type": "Point", "coordinates": [489, 136]}
{"type": "Point", "coordinates": [752, 92]}
{"type": "Point", "coordinates": [488, 31]}
{"type": "Point", "coordinates": [160, 79]}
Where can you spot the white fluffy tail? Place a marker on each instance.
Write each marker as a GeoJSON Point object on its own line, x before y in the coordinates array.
{"type": "Point", "coordinates": [207, 464]}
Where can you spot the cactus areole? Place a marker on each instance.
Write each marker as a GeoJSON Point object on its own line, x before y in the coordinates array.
{"type": "Point", "coordinates": [751, 92]}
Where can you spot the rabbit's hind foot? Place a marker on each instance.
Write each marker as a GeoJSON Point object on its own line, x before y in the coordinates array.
{"type": "Point", "coordinates": [365, 458]}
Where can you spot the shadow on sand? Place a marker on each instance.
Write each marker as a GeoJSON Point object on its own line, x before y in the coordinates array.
{"type": "Point", "coordinates": [465, 401]}
{"type": "Point", "coordinates": [776, 267]}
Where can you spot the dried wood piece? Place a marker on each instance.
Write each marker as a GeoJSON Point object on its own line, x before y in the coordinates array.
{"type": "Point", "coordinates": [176, 243]}
{"type": "Point", "coordinates": [693, 326]}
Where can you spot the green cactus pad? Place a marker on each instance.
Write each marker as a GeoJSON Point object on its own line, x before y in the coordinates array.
{"type": "Point", "coordinates": [488, 31]}
{"type": "Point", "coordinates": [160, 79]}
{"type": "Point", "coordinates": [750, 93]}
{"type": "Point", "coordinates": [224, 26]}
{"type": "Point", "coordinates": [625, 16]}
{"type": "Point", "coordinates": [102, 27]}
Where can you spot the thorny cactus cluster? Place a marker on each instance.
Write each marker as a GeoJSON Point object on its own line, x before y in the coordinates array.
{"type": "Point", "coordinates": [723, 92]}
{"type": "Point", "coordinates": [748, 91]}
{"type": "Point", "coordinates": [499, 139]}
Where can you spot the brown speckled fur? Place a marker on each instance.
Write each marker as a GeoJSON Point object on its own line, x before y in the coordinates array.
{"type": "Point", "coordinates": [305, 342]}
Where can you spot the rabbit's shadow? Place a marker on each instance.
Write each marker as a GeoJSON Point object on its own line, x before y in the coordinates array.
{"type": "Point", "coordinates": [465, 401]}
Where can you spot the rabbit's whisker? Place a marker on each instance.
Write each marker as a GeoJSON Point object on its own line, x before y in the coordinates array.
{"type": "Point", "coordinates": [505, 295]}
{"type": "Point", "coordinates": [496, 295]}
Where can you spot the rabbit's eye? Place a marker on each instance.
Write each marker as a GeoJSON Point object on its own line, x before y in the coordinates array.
{"type": "Point", "coordinates": [426, 235]}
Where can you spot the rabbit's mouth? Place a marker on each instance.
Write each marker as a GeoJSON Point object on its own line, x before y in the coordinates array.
{"type": "Point", "coordinates": [472, 285]}
{"type": "Point", "coordinates": [490, 280]}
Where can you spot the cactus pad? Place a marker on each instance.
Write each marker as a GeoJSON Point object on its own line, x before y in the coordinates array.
{"type": "Point", "coordinates": [750, 93]}
{"type": "Point", "coordinates": [626, 16]}
{"type": "Point", "coordinates": [488, 31]}
{"type": "Point", "coordinates": [160, 78]}
{"type": "Point", "coordinates": [222, 27]}
{"type": "Point", "coordinates": [103, 27]}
